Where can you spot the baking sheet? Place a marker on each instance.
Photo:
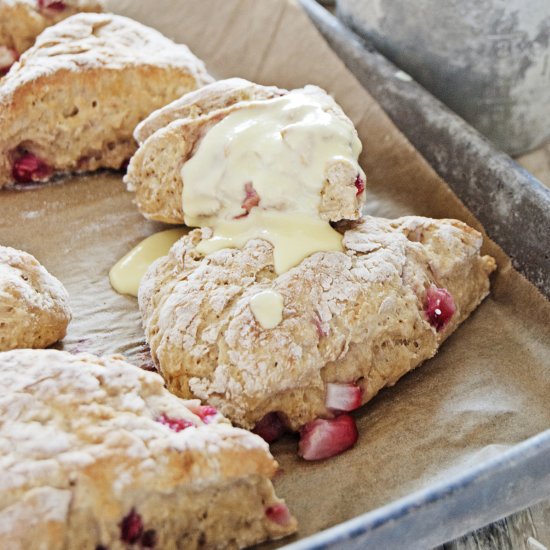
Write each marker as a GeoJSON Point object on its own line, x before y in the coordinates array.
{"type": "Point", "coordinates": [485, 391]}
{"type": "Point", "coordinates": [515, 208]}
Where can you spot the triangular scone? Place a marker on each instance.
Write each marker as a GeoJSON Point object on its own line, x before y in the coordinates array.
{"type": "Point", "coordinates": [354, 321]}
{"type": "Point", "coordinates": [98, 454]}
{"type": "Point", "coordinates": [171, 136]}
{"type": "Point", "coordinates": [74, 99]}
{"type": "Point", "coordinates": [34, 305]}
{"type": "Point", "coordinates": [21, 21]}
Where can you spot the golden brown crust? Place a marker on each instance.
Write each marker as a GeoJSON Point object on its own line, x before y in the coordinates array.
{"type": "Point", "coordinates": [34, 305]}
{"type": "Point", "coordinates": [169, 137]}
{"type": "Point", "coordinates": [355, 317]}
{"type": "Point", "coordinates": [89, 454]}
{"type": "Point", "coordinates": [82, 89]}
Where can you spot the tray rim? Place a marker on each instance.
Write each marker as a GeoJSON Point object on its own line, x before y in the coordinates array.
{"type": "Point", "coordinates": [391, 515]}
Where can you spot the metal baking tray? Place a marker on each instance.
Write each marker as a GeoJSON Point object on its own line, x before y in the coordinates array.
{"type": "Point", "coordinates": [482, 178]}
{"type": "Point", "coordinates": [511, 204]}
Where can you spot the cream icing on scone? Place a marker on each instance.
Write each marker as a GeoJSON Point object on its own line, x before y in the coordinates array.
{"type": "Point", "coordinates": [21, 21]}
{"type": "Point", "coordinates": [73, 100]}
{"type": "Point", "coordinates": [96, 453]}
{"type": "Point", "coordinates": [34, 305]}
{"type": "Point", "coordinates": [257, 146]}
{"type": "Point", "coordinates": [269, 312]}
{"type": "Point", "coordinates": [351, 322]}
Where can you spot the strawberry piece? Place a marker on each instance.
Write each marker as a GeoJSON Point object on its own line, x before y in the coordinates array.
{"type": "Point", "coordinates": [176, 424]}
{"type": "Point", "coordinates": [440, 307]}
{"type": "Point", "coordinates": [279, 513]}
{"type": "Point", "coordinates": [28, 168]}
{"type": "Point", "coordinates": [359, 184]}
{"type": "Point", "coordinates": [343, 397]}
{"type": "Point", "coordinates": [271, 427]}
{"type": "Point", "coordinates": [320, 330]}
{"type": "Point", "coordinates": [251, 199]}
{"type": "Point", "coordinates": [325, 438]}
{"type": "Point", "coordinates": [131, 527]}
{"type": "Point", "coordinates": [206, 413]}
{"type": "Point", "coordinates": [53, 5]}
{"type": "Point", "coordinates": [8, 56]}
{"type": "Point", "coordinates": [149, 539]}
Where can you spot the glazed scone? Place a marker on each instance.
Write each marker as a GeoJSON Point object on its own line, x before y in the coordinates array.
{"type": "Point", "coordinates": [21, 21]}
{"type": "Point", "coordinates": [34, 305]}
{"type": "Point", "coordinates": [97, 454]}
{"type": "Point", "coordinates": [340, 325]}
{"type": "Point", "coordinates": [73, 100]}
{"type": "Point", "coordinates": [172, 138]}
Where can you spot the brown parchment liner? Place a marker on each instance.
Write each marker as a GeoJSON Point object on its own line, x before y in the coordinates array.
{"type": "Point", "coordinates": [486, 390]}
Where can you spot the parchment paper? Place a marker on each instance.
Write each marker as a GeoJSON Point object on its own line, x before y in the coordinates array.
{"type": "Point", "coordinates": [486, 390]}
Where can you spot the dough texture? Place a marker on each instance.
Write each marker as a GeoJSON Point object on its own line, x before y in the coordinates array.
{"type": "Point", "coordinates": [95, 453]}
{"type": "Point", "coordinates": [34, 305]}
{"type": "Point", "coordinates": [21, 21]}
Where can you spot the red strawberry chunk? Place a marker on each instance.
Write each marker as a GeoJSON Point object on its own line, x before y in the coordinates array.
{"type": "Point", "coordinates": [28, 168]}
{"type": "Point", "coordinates": [343, 397]}
{"type": "Point", "coordinates": [251, 199]}
{"type": "Point", "coordinates": [53, 5]}
{"type": "Point", "coordinates": [8, 56]}
{"type": "Point", "coordinates": [206, 413]}
{"type": "Point", "coordinates": [149, 539]}
{"type": "Point", "coordinates": [359, 184]}
{"type": "Point", "coordinates": [271, 427]}
{"type": "Point", "coordinates": [176, 424]}
{"type": "Point", "coordinates": [320, 330]}
{"type": "Point", "coordinates": [279, 513]}
{"type": "Point", "coordinates": [131, 527]}
{"type": "Point", "coordinates": [440, 307]}
{"type": "Point", "coordinates": [325, 438]}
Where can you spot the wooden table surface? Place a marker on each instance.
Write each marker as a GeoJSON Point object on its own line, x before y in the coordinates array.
{"type": "Point", "coordinates": [538, 163]}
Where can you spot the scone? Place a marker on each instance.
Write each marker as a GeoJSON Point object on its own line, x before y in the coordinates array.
{"type": "Point", "coordinates": [21, 21]}
{"type": "Point", "coordinates": [74, 99]}
{"type": "Point", "coordinates": [173, 137]}
{"type": "Point", "coordinates": [292, 350]}
{"type": "Point", "coordinates": [34, 305]}
{"type": "Point", "coordinates": [97, 454]}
